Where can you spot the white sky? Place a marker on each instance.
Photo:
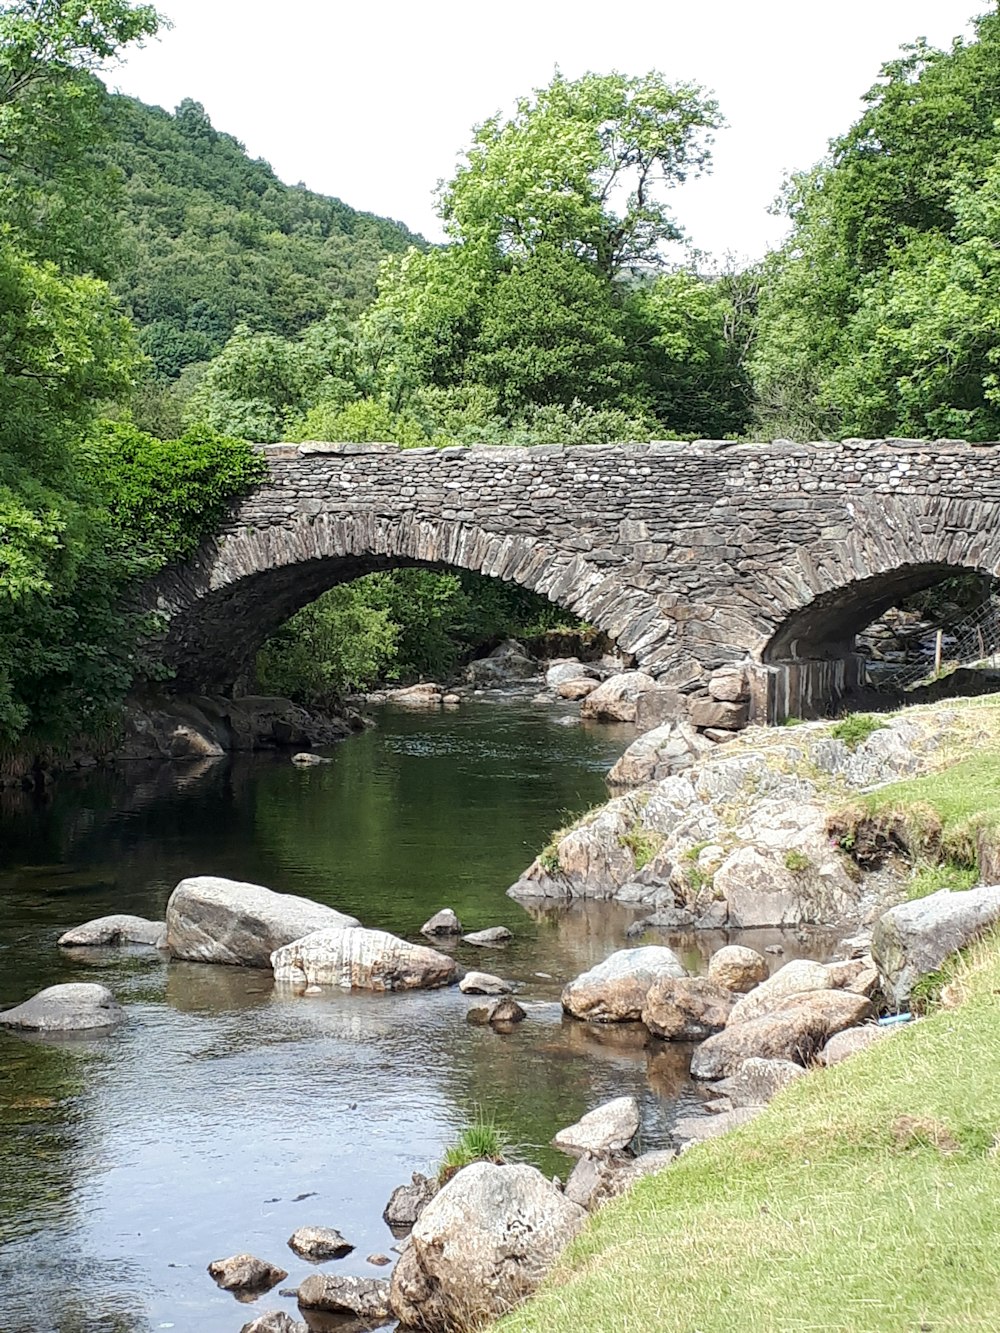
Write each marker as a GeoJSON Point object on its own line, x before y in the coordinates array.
{"type": "Point", "coordinates": [375, 104]}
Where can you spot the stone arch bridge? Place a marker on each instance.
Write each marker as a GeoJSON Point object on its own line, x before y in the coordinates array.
{"type": "Point", "coordinates": [690, 556]}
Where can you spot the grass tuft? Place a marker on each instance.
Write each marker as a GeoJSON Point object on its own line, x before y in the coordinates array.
{"type": "Point", "coordinates": [855, 729]}
{"type": "Point", "coordinates": [484, 1140]}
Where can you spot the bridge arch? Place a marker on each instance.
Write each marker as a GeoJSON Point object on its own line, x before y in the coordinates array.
{"type": "Point", "coordinates": [222, 606]}
{"type": "Point", "coordinates": [893, 551]}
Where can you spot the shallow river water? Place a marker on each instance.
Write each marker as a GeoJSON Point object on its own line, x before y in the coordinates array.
{"type": "Point", "coordinates": [221, 1116]}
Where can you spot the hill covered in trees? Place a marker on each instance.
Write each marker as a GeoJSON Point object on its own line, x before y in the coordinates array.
{"type": "Point", "coordinates": [211, 238]}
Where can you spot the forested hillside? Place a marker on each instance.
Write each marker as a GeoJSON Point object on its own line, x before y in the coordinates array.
{"type": "Point", "coordinates": [211, 238]}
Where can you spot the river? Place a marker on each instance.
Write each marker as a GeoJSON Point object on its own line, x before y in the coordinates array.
{"type": "Point", "coordinates": [222, 1116]}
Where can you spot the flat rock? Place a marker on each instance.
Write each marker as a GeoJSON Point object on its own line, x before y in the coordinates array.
{"type": "Point", "coordinates": [78, 1006]}
{"type": "Point", "coordinates": [359, 959]}
{"type": "Point", "coordinates": [686, 1008]}
{"type": "Point", "coordinates": [113, 931]}
{"type": "Point", "coordinates": [484, 983]}
{"type": "Point", "coordinates": [607, 1129]}
{"type": "Point", "coordinates": [444, 922]}
{"type": "Point", "coordinates": [319, 1243]}
{"type": "Point", "coordinates": [407, 1202]}
{"type": "Point", "coordinates": [615, 991]}
{"type": "Point", "coordinates": [483, 1243]}
{"type": "Point", "coordinates": [245, 1272]}
{"type": "Point", "coordinates": [738, 968]}
{"type": "Point", "coordinates": [306, 759]}
{"type": "Point", "coordinates": [797, 1029]}
{"type": "Point", "coordinates": [850, 1041]}
{"type": "Point", "coordinates": [912, 940]}
{"type": "Point", "coordinates": [492, 935]}
{"type": "Point", "coordinates": [364, 1297]}
{"type": "Point", "coordinates": [757, 1081]}
{"type": "Point", "coordinates": [692, 1129]}
{"type": "Point", "coordinates": [795, 978]}
{"type": "Point", "coordinates": [214, 920]}
{"type": "Point", "coordinates": [614, 701]}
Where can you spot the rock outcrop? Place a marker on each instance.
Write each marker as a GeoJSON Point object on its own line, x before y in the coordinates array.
{"type": "Point", "coordinates": [359, 959]}
{"type": "Point", "coordinates": [214, 920]}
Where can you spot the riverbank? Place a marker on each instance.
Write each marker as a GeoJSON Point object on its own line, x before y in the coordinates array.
{"type": "Point", "coordinates": [867, 1196]}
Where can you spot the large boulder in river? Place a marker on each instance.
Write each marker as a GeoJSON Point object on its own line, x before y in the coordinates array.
{"type": "Point", "coordinates": [80, 1006]}
{"type": "Point", "coordinates": [615, 991]}
{"type": "Point", "coordinates": [213, 920]}
{"type": "Point", "coordinates": [614, 701]}
{"type": "Point", "coordinates": [482, 1245]}
{"type": "Point", "coordinates": [359, 959]}
{"type": "Point", "coordinates": [686, 1008]}
{"type": "Point", "coordinates": [112, 931]}
{"type": "Point", "coordinates": [915, 938]}
{"type": "Point", "coordinates": [509, 662]}
{"type": "Point", "coordinates": [796, 1030]}
{"type": "Point", "coordinates": [571, 669]}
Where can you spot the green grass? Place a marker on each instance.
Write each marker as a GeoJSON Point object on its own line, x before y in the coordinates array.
{"type": "Point", "coordinates": [797, 861]}
{"type": "Point", "coordinates": [483, 1140]}
{"type": "Point", "coordinates": [865, 1200]}
{"type": "Point", "coordinates": [856, 728]}
{"type": "Point", "coordinates": [642, 843]}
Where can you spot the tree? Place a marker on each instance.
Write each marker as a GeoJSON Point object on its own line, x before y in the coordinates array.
{"type": "Point", "coordinates": [878, 315]}
{"type": "Point", "coordinates": [55, 191]}
{"type": "Point", "coordinates": [581, 167]}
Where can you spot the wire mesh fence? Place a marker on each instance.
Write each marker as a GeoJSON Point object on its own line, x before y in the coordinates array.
{"type": "Point", "coordinates": [974, 640]}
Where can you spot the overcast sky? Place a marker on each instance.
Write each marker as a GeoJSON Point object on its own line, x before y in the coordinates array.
{"type": "Point", "coordinates": [374, 103]}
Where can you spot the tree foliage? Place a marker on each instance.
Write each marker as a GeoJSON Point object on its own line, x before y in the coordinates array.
{"type": "Point", "coordinates": [879, 317]}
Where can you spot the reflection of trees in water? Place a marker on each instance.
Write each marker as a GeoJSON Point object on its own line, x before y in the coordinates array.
{"type": "Point", "coordinates": [39, 1135]}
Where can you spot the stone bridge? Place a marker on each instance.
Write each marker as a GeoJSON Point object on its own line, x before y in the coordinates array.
{"type": "Point", "coordinates": [690, 556]}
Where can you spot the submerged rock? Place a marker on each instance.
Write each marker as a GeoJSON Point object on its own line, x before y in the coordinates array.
{"type": "Point", "coordinates": [912, 940]}
{"type": "Point", "coordinates": [319, 1243]}
{"type": "Point", "coordinates": [359, 959]}
{"type": "Point", "coordinates": [492, 935]}
{"type": "Point", "coordinates": [607, 1129]}
{"type": "Point", "coordinates": [366, 1298]}
{"type": "Point", "coordinates": [245, 1272]}
{"type": "Point", "coordinates": [483, 1244]}
{"type": "Point", "coordinates": [615, 991]}
{"type": "Point", "coordinates": [112, 931]}
{"type": "Point", "coordinates": [215, 920]}
{"type": "Point", "coordinates": [306, 759]}
{"type": "Point", "coordinates": [80, 1006]}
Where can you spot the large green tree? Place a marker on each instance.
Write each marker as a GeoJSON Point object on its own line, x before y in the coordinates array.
{"type": "Point", "coordinates": [879, 314]}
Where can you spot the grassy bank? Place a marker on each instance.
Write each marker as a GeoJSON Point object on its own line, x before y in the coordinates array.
{"type": "Point", "coordinates": [867, 1197]}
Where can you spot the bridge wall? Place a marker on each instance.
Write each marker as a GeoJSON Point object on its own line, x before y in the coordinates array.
{"type": "Point", "coordinates": [690, 555]}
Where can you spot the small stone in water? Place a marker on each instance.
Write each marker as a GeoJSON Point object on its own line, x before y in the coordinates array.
{"type": "Point", "coordinates": [319, 1243]}
{"type": "Point", "coordinates": [313, 990]}
{"type": "Point", "coordinates": [380, 1259]}
{"type": "Point", "coordinates": [492, 935]}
